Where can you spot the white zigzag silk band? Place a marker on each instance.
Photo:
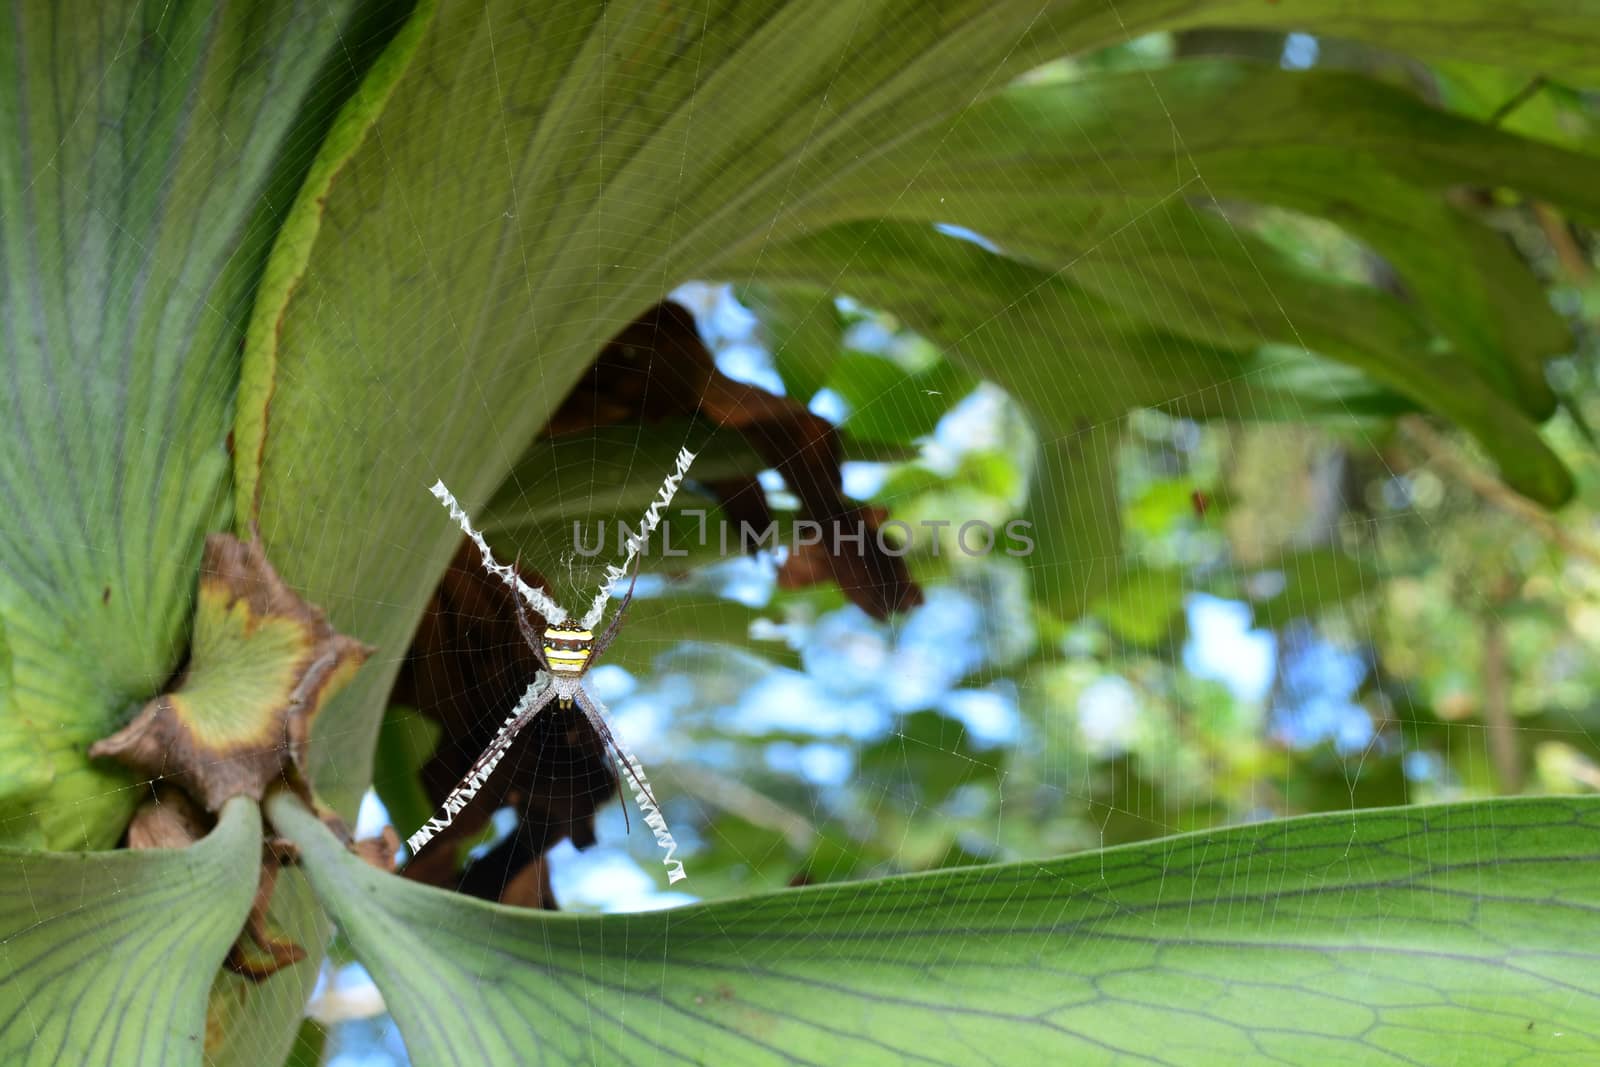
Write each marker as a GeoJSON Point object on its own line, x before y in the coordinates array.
{"type": "Point", "coordinates": [535, 598]}
{"type": "Point", "coordinates": [533, 699]}
{"type": "Point", "coordinates": [652, 518]}
{"type": "Point", "coordinates": [628, 763]}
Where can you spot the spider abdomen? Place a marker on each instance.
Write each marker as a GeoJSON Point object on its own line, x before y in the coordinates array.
{"type": "Point", "coordinates": [567, 650]}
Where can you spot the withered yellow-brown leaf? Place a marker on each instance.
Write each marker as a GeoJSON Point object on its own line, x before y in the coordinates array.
{"type": "Point", "coordinates": [262, 662]}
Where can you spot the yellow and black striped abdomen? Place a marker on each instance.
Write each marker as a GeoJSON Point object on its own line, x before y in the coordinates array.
{"type": "Point", "coordinates": [567, 650]}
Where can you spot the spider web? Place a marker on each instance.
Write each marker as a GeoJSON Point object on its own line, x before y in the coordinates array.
{"type": "Point", "coordinates": [795, 739]}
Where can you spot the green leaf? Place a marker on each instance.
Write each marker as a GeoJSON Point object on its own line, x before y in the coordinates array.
{"type": "Point", "coordinates": [1434, 934]}
{"type": "Point", "coordinates": [106, 957]}
{"type": "Point", "coordinates": [1365, 155]}
{"type": "Point", "coordinates": [1195, 274]}
{"type": "Point", "coordinates": [1164, 506]}
{"type": "Point", "coordinates": [310, 1045]}
{"type": "Point", "coordinates": [1545, 111]}
{"type": "Point", "coordinates": [1296, 385]}
{"type": "Point", "coordinates": [1072, 347]}
{"type": "Point", "coordinates": [1074, 513]}
{"type": "Point", "coordinates": [1554, 36]}
{"type": "Point", "coordinates": [1066, 354]}
{"type": "Point", "coordinates": [136, 147]}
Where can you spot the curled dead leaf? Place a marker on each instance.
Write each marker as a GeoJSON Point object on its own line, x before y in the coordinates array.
{"type": "Point", "coordinates": [379, 851]}
{"type": "Point", "coordinates": [260, 951]}
{"type": "Point", "coordinates": [658, 367]}
{"type": "Point", "coordinates": [262, 662]}
{"type": "Point", "coordinates": [167, 819]}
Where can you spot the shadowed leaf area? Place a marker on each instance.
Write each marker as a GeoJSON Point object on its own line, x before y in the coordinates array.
{"type": "Point", "coordinates": [1463, 934]}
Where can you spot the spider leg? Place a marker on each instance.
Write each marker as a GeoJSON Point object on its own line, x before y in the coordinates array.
{"type": "Point", "coordinates": [616, 622]}
{"type": "Point", "coordinates": [538, 696]}
{"type": "Point", "coordinates": [592, 710]}
{"type": "Point", "coordinates": [529, 634]}
{"type": "Point", "coordinates": [596, 714]}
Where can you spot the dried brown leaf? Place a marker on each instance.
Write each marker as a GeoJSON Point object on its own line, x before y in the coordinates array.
{"type": "Point", "coordinates": [262, 663]}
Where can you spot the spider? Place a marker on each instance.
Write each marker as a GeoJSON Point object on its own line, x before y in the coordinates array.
{"type": "Point", "coordinates": [566, 650]}
{"type": "Point", "coordinates": [566, 653]}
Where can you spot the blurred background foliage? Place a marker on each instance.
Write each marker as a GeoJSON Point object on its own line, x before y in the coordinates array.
{"type": "Point", "coordinates": [1307, 614]}
{"type": "Point", "coordinates": [1304, 614]}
